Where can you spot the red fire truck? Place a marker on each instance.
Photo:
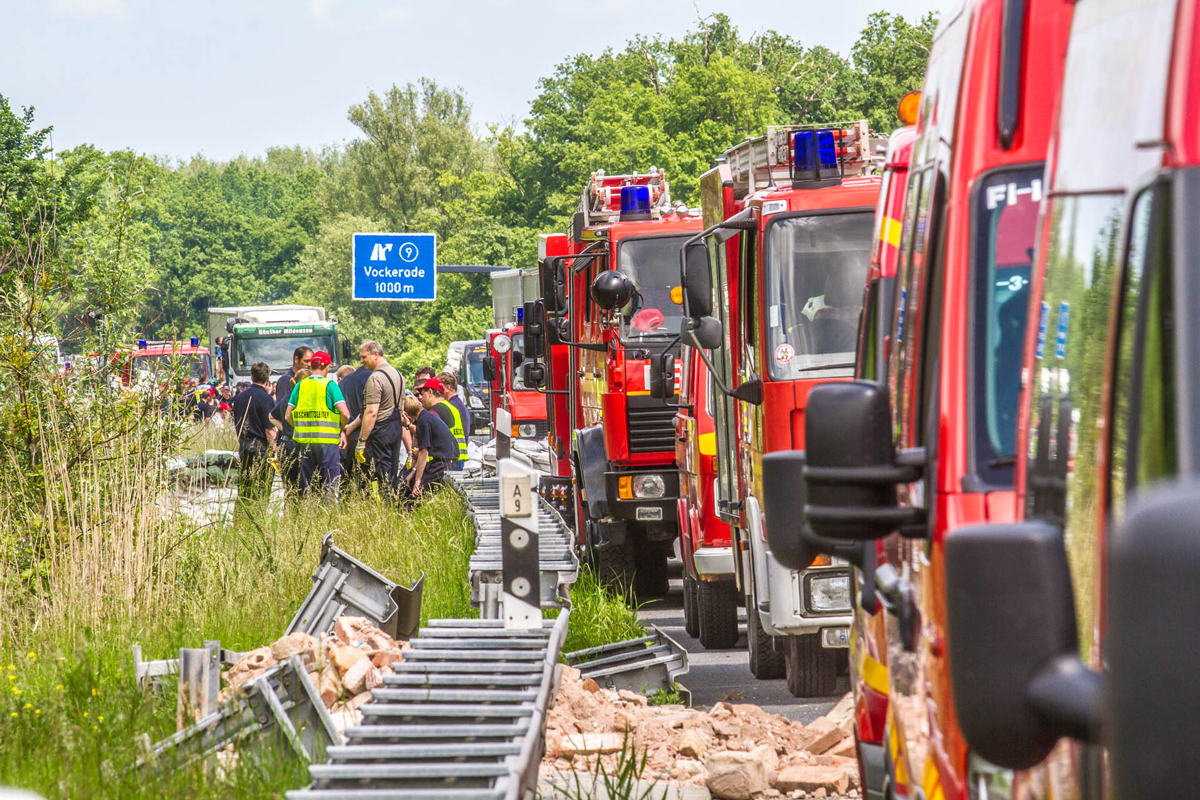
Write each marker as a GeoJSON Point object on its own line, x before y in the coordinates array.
{"type": "Point", "coordinates": [794, 211]}
{"type": "Point", "coordinates": [1109, 411]}
{"type": "Point", "coordinates": [710, 593]}
{"type": "Point", "coordinates": [953, 375]}
{"type": "Point", "coordinates": [153, 358]}
{"type": "Point", "coordinates": [609, 305]}
{"type": "Point", "coordinates": [527, 406]}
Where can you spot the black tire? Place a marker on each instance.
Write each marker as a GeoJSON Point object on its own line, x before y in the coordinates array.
{"type": "Point", "coordinates": [812, 669]}
{"type": "Point", "coordinates": [615, 568]}
{"type": "Point", "coordinates": [691, 607]}
{"type": "Point", "coordinates": [717, 605]}
{"type": "Point", "coordinates": [766, 663]}
{"type": "Point", "coordinates": [650, 580]}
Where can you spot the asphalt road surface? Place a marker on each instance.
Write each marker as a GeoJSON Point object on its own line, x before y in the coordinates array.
{"type": "Point", "coordinates": [715, 675]}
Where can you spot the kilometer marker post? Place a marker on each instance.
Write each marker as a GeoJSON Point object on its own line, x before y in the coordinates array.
{"type": "Point", "coordinates": [522, 607]}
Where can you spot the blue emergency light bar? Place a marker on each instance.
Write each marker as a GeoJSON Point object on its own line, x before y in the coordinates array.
{"type": "Point", "coordinates": [815, 156]}
{"type": "Point", "coordinates": [635, 203]}
{"type": "Point", "coordinates": [195, 341]}
{"type": "Point", "coordinates": [142, 343]}
{"type": "Point", "coordinates": [520, 315]}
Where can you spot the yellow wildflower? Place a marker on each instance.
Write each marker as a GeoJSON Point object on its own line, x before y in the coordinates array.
{"type": "Point", "coordinates": [100, 718]}
{"type": "Point", "coordinates": [29, 705]}
{"type": "Point", "coordinates": [14, 713]}
{"type": "Point", "coordinates": [32, 655]}
{"type": "Point", "coordinates": [85, 713]}
{"type": "Point", "coordinates": [37, 711]}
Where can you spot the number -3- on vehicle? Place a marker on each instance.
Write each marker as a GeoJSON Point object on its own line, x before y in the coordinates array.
{"type": "Point", "coordinates": [933, 445]}
{"type": "Point", "coordinates": [789, 236]}
{"type": "Point", "coordinates": [609, 307]}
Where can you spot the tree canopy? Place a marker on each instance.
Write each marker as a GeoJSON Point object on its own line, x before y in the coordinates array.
{"type": "Point", "coordinates": [278, 228]}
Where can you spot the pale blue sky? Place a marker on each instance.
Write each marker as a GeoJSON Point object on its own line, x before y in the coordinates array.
{"type": "Point", "coordinates": [221, 77]}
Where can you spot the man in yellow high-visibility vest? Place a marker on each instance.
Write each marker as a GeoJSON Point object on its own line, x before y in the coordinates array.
{"type": "Point", "coordinates": [317, 411]}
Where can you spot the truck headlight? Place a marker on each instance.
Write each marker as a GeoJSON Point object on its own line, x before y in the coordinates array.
{"type": "Point", "coordinates": [475, 402]}
{"type": "Point", "coordinates": [829, 593]}
{"type": "Point", "coordinates": [527, 430]}
{"type": "Point", "coordinates": [647, 486]}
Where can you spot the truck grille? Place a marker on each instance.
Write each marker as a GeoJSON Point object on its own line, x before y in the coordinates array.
{"type": "Point", "coordinates": [651, 426]}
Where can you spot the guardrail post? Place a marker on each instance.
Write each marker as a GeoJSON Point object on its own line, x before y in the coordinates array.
{"type": "Point", "coordinates": [503, 434]}
{"type": "Point", "coordinates": [199, 683]}
{"type": "Point", "coordinates": [519, 545]}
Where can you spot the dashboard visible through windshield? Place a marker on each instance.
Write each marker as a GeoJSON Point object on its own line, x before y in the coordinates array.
{"type": "Point", "coordinates": [277, 351]}
{"type": "Point", "coordinates": [816, 271]}
{"type": "Point", "coordinates": [652, 263]}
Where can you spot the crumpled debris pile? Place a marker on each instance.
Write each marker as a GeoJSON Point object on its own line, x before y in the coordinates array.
{"type": "Point", "coordinates": [344, 667]}
{"type": "Point", "coordinates": [533, 453]}
{"type": "Point", "coordinates": [737, 750]}
{"type": "Point", "coordinates": [215, 468]}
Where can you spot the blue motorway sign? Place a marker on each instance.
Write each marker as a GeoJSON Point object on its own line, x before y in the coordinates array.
{"type": "Point", "coordinates": [395, 266]}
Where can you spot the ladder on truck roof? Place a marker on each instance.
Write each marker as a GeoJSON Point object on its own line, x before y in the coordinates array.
{"type": "Point", "coordinates": [601, 198]}
{"type": "Point", "coordinates": [765, 161]}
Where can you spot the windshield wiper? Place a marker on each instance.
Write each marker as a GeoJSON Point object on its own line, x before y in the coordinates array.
{"type": "Point", "coordinates": [825, 366]}
{"type": "Point", "coordinates": [1003, 461]}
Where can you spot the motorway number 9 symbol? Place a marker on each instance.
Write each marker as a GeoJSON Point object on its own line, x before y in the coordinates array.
{"type": "Point", "coordinates": [408, 252]}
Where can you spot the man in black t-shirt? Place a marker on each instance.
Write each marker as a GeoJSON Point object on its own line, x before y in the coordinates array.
{"type": "Point", "coordinates": [436, 447]}
{"type": "Point", "coordinates": [252, 421]}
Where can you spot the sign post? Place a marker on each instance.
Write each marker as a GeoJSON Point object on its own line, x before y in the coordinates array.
{"type": "Point", "coordinates": [519, 548]}
{"type": "Point", "coordinates": [395, 266]}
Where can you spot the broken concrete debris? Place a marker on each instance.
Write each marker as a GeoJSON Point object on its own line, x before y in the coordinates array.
{"type": "Point", "coordinates": [736, 750]}
{"type": "Point", "coordinates": [344, 666]}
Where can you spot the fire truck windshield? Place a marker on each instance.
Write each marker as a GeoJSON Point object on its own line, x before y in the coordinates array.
{"type": "Point", "coordinates": [816, 270]}
{"type": "Point", "coordinates": [195, 365]}
{"type": "Point", "coordinates": [475, 368]}
{"type": "Point", "coordinates": [652, 263]}
{"type": "Point", "coordinates": [277, 351]}
{"type": "Point", "coordinates": [1005, 227]}
{"type": "Point", "coordinates": [518, 347]}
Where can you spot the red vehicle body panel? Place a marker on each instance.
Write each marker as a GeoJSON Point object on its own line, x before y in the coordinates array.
{"type": "Point", "coordinates": [868, 635]}
{"type": "Point", "coordinates": [525, 406]}
{"type": "Point", "coordinates": [957, 147]}
{"type": "Point", "coordinates": [695, 454]}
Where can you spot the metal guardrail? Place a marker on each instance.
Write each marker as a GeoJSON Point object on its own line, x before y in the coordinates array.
{"type": "Point", "coordinates": [345, 585]}
{"type": "Point", "coordinates": [282, 700]}
{"type": "Point", "coordinates": [558, 564]}
{"type": "Point", "coordinates": [463, 717]}
{"type": "Point", "coordinates": [644, 665]}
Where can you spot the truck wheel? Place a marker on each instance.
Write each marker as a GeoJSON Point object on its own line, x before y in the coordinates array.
{"type": "Point", "coordinates": [615, 567]}
{"type": "Point", "coordinates": [691, 608]}
{"type": "Point", "coordinates": [811, 668]}
{"type": "Point", "coordinates": [765, 661]}
{"type": "Point", "coordinates": [650, 576]}
{"type": "Point", "coordinates": [718, 618]}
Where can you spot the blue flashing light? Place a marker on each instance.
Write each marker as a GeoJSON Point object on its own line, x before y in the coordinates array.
{"type": "Point", "coordinates": [814, 155]}
{"type": "Point", "coordinates": [195, 341]}
{"type": "Point", "coordinates": [142, 343]}
{"type": "Point", "coordinates": [635, 202]}
{"type": "Point", "coordinates": [520, 315]}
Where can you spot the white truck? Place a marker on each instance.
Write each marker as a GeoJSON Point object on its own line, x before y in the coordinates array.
{"type": "Point", "coordinates": [511, 289]}
{"type": "Point", "coordinates": [271, 334]}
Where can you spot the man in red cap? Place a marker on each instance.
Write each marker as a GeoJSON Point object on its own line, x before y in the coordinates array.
{"type": "Point", "coordinates": [432, 394]}
{"type": "Point", "coordinates": [317, 411]}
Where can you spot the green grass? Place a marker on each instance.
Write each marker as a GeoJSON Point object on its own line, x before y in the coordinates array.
{"type": "Point", "coordinates": [598, 615]}
{"type": "Point", "coordinates": [69, 710]}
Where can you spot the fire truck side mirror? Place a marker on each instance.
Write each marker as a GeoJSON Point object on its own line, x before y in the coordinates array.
{"type": "Point", "coordinates": [1150, 724]}
{"type": "Point", "coordinates": [1019, 684]}
{"type": "Point", "coordinates": [535, 329]}
{"type": "Point", "coordinates": [662, 376]}
{"type": "Point", "coordinates": [347, 351]}
{"type": "Point", "coordinates": [697, 281]}
{"type": "Point", "coordinates": [703, 334]}
{"type": "Point", "coordinates": [792, 543]}
{"type": "Point", "coordinates": [554, 285]}
{"type": "Point", "coordinates": [533, 374]}
{"type": "Point", "coordinates": [612, 289]}
{"type": "Point", "coordinates": [489, 369]}
{"type": "Point", "coordinates": [852, 470]}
